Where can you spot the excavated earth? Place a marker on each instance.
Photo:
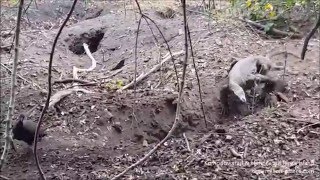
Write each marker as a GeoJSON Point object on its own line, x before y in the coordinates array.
{"type": "Point", "coordinates": [97, 135]}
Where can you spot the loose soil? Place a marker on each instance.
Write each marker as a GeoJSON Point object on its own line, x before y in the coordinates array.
{"type": "Point", "coordinates": [97, 135]}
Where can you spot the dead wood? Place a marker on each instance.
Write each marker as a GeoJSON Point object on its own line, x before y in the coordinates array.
{"type": "Point", "coordinates": [177, 116]}
{"type": "Point", "coordinates": [42, 176]}
{"type": "Point", "coordinates": [273, 30]}
{"type": "Point", "coordinates": [72, 81]}
{"type": "Point", "coordinates": [7, 133]}
{"type": "Point", "coordinates": [61, 94]}
{"type": "Point", "coordinates": [155, 68]}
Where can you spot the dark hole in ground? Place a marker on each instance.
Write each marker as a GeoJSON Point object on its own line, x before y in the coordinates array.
{"type": "Point", "coordinates": [92, 39]}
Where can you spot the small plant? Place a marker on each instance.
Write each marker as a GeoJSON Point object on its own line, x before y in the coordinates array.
{"type": "Point", "coordinates": [257, 10]}
{"type": "Point", "coordinates": [114, 85]}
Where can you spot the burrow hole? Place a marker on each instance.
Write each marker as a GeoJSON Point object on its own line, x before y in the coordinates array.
{"type": "Point", "coordinates": [92, 39]}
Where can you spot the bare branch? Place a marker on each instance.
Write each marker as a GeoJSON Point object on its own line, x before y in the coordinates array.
{"type": "Point", "coordinates": [135, 57]}
{"type": "Point", "coordinates": [155, 68]}
{"type": "Point", "coordinates": [168, 47]}
{"type": "Point", "coordinates": [49, 90]}
{"type": "Point", "coordinates": [177, 117]}
{"type": "Point", "coordinates": [8, 138]}
{"type": "Point", "coordinates": [197, 75]}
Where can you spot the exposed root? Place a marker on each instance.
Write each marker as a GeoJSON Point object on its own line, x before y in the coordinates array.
{"type": "Point", "coordinates": [61, 94]}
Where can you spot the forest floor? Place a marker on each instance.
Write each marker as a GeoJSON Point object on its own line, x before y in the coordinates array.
{"type": "Point", "coordinates": [95, 135]}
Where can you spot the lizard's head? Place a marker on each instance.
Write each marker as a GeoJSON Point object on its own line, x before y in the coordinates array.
{"type": "Point", "coordinates": [263, 68]}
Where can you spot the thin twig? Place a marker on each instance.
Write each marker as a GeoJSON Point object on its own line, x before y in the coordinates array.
{"type": "Point", "coordinates": [177, 117]}
{"type": "Point", "coordinates": [8, 138]}
{"type": "Point", "coordinates": [187, 142]}
{"type": "Point", "coordinates": [49, 90]}
{"type": "Point", "coordinates": [63, 93]}
{"type": "Point", "coordinates": [168, 48]}
{"type": "Point", "coordinates": [285, 63]}
{"type": "Point", "coordinates": [135, 67]}
{"type": "Point", "coordinates": [197, 76]}
{"type": "Point", "coordinates": [111, 75]}
{"type": "Point", "coordinates": [307, 126]}
{"type": "Point", "coordinates": [155, 68]}
{"type": "Point", "coordinates": [3, 177]}
{"type": "Point", "coordinates": [71, 80]}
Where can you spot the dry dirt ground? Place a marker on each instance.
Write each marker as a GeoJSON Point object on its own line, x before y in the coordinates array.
{"type": "Point", "coordinates": [95, 136]}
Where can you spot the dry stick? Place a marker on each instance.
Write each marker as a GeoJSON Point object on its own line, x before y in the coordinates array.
{"type": "Point", "coordinates": [135, 70]}
{"type": "Point", "coordinates": [154, 36]}
{"type": "Point", "coordinates": [63, 93]}
{"type": "Point", "coordinates": [177, 117]}
{"type": "Point", "coordinates": [24, 12]}
{"type": "Point", "coordinates": [165, 40]}
{"type": "Point", "coordinates": [3, 177]}
{"type": "Point", "coordinates": [156, 42]}
{"type": "Point", "coordinates": [187, 142]}
{"type": "Point", "coordinates": [49, 91]}
{"type": "Point", "coordinates": [71, 80]}
{"type": "Point", "coordinates": [274, 30]}
{"type": "Point", "coordinates": [113, 74]}
{"type": "Point", "coordinates": [8, 138]}
{"type": "Point", "coordinates": [168, 48]}
{"type": "Point", "coordinates": [306, 41]}
{"type": "Point", "coordinates": [125, 8]}
{"type": "Point", "coordinates": [197, 75]}
{"type": "Point", "coordinates": [307, 126]}
{"type": "Point", "coordinates": [285, 63]}
{"type": "Point", "coordinates": [155, 68]}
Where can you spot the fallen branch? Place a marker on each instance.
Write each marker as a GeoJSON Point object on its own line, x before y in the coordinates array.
{"type": "Point", "coordinates": [307, 126]}
{"type": "Point", "coordinates": [61, 94]}
{"type": "Point", "coordinates": [273, 30]}
{"type": "Point", "coordinates": [88, 84]}
{"type": "Point", "coordinates": [155, 68]}
{"type": "Point", "coordinates": [72, 81]}
{"type": "Point", "coordinates": [198, 78]}
{"type": "Point", "coordinates": [42, 176]}
{"type": "Point", "coordinates": [3, 177]}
